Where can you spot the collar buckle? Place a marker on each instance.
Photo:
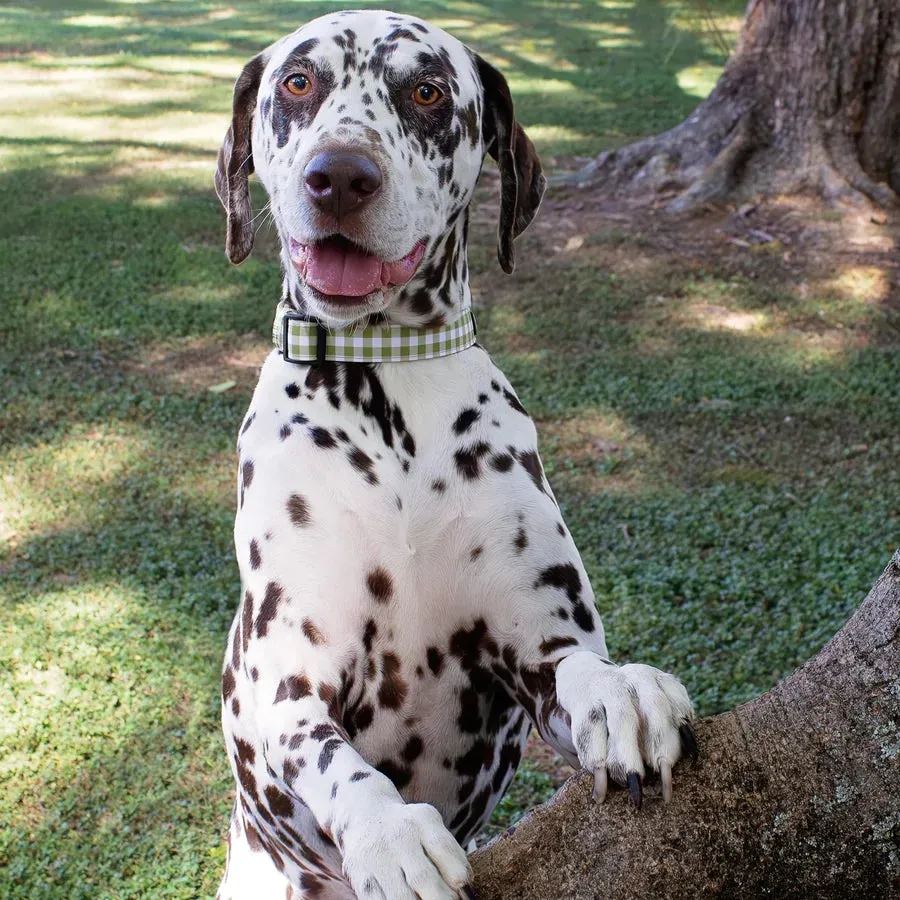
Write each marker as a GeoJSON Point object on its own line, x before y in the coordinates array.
{"type": "Point", "coordinates": [321, 337]}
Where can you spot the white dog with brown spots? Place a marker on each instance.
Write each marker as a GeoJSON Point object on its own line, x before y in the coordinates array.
{"type": "Point", "coordinates": [412, 601]}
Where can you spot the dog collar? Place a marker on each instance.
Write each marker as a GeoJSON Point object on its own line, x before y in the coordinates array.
{"type": "Point", "coordinates": [302, 340]}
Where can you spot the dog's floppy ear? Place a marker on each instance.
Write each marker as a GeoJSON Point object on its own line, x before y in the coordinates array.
{"type": "Point", "coordinates": [521, 180]}
{"type": "Point", "coordinates": [235, 163]}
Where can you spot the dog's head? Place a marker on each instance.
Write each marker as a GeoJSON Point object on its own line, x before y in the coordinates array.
{"type": "Point", "coordinates": [368, 130]}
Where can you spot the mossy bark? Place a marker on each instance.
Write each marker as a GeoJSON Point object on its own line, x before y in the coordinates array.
{"type": "Point", "coordinates": [796, 795]}
{"type": "Point", "coordinates": [808, 102]}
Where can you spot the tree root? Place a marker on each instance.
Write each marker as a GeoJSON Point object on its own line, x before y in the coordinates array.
{"type": "Point", "coordinates": [795, 795]}
{"type": "Point", "coordinates": [707, 164]}
{"type": "Point", "coordinates": [718, 181]}
{"type": "Point", "coordinates": [848, 169]}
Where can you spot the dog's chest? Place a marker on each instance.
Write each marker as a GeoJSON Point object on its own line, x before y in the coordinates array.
{"type": "Point", "coordinates": [423, 477]}
{"type": "Point", "coordinates": [396, 518]}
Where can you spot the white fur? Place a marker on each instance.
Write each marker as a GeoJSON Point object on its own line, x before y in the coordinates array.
{"type": "Point", "coordinates": [483, 609]}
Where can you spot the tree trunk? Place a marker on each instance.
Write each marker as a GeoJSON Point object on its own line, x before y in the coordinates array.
{"type": "Point", "coordinates": [808, 102]}
{"type": "Point", "coordinates": [796, 795]}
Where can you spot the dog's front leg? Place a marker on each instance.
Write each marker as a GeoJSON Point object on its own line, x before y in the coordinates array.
{"type": "Point", "coordinates": [623, 720]}
{"type": "Point", "coordinates": [614, 721]}
{"type": "Point", "coordinates": [391, 849]}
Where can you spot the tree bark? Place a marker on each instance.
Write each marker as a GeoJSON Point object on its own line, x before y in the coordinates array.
{"type": "Point", "coordinates": [796, 795]}
{"type": "Point", "coordinates": [808, 102]}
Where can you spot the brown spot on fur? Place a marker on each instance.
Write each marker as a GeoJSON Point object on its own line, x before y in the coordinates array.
{"type": "Point", "coordinates": [298, 510]}
{"type": "Point", "coordinates": [435, 660]}
{"type": "Point", "coordinates": [393, 689]}
{"type": "Point", "coordinates": [294, 687]}
{"type": "Point", "coordinates": [380, 584]}
{"type": "Point", "coordinates": [313, 635]}
{"type": "Point", "coordinates": [551, 644]}
{"type": "Point", "coordinates": [279, 802]}
{"type": "Point", "coordinates": [227, 683]}
{"type": "Point", "coordinates": [269, 608]}
{"type": "Point", "coordinates": [327, 754]}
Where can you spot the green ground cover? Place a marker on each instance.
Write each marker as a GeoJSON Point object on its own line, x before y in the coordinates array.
{"type": "Point", "coordinates": [712, 474]}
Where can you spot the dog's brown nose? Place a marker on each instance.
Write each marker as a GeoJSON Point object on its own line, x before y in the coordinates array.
{"type": "Point", "coordinates": [339, 183]}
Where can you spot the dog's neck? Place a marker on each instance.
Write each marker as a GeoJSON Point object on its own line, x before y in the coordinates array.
{"type": "Point", "coordinates": [435, 295]}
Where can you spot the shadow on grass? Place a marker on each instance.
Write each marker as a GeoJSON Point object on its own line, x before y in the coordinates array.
{"type": "Point", "coordinates": [135, 275]}
{"type": "Point", "coordinates": [581, 70]}
{"type": "Point", "coordinates": [126, 786]}
{"type": "Point", "coordinates": [727, 548]}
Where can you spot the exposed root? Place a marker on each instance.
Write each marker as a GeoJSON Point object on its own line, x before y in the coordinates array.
{"type": "Point", "coordinates": [626, 168]}
{"type": "Point", "coordinates": [850, 170]}
{"type": "Point", "coordinates": [708, 165]}
{"type": "Point", "coordinates": [718, 181]}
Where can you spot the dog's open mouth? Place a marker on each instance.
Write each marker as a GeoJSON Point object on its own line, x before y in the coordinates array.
{"type": "Point", "coordinates": [341, 269]}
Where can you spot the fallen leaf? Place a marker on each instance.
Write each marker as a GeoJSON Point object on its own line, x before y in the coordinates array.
{"type": "Point", "coordinates": [222, 387]}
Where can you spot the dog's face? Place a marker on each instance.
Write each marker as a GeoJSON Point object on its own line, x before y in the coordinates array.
{"type": "Point", "coordinates": [368, 130]}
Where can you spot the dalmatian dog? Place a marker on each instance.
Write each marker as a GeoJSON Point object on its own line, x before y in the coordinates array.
{"type": "Point", "coordinates": [412, 602]}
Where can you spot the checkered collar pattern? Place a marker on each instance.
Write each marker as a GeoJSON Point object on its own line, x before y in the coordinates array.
{"type": "Point", "coordinates": [306, 341]}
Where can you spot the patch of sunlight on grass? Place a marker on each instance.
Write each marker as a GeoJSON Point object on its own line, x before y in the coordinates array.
{"type": "Point", "coordinates": [606, 27]}
{"type": "Point", "coordinates": [595, 450]}
{"type": "Point", "coordinates": [617, 43]}
{"type": "Point", "coordinates": [522, 85]}
{"type": "Point", "coordinates": [93, 21]}
{"type": "Point", "coordinates": [219, 15]}
{"type": "Point", "coordinates": [187, 129]}
{"type": "Point", "coordinates": [212, 294]}
{"type": "Point", "coordinates": [864, 284]}
{"type": "Point", "coordinates": [221, 67]}
{"type": "Point", "coordinates": [107, 667]}
{"type": "Point", "coordinates": [698, 80]}
{"type": "Point", "coordinates": [155, 201]}
{"type": "Point", "coordinates": [560, 138]}
{"type": "Point", "coordinates": [699, 23]}
{"type": "Point", "coordinates": [211, 483]}
{"type": "Point", "coordinates": [49, 480]}
{"type": "Point", "coordinates": [209, 47]}
{"type": "Point", "coordinates": [452, 25]}
{"type": "Point", "coordinates": [94, 104]}
{"type": "Point", "coordinates": [541, 56]}
{"type": "Point", "coordinates": [508, 319]}
{"type": "Point", "coordinates": [59, 84]}
{"type": "Point", "coordinates": [712, 317]}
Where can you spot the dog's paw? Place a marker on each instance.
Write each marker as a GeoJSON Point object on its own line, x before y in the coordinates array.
{"type": "Point", "coordinates": [404, 852]}
{"type": "Point", "coordinates": [626, 720]}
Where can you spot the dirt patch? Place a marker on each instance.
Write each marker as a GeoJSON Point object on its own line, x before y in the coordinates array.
{"type": "Point", "coordinates": [785, 244]}
{"type": "Point", "coordinates": [208, 363]}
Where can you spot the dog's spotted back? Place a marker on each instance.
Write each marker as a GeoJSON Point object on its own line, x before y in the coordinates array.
{"type": "Point", "coordinates": [410, 593]}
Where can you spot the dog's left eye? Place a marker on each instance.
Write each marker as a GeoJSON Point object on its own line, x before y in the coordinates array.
{"type": "Point", "coordinates": [299, 84]}
{"type": "Point", "coordinates": [427, 93]}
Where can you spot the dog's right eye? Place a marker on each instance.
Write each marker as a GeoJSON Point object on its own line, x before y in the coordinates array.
{"type": "Point", "coordinates": [427, 94]}
{"type": "Point", "coordinates": [299, 84]}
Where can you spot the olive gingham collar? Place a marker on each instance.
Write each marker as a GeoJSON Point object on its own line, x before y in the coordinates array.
{"type": "Point", "coordinates": [302, 340]}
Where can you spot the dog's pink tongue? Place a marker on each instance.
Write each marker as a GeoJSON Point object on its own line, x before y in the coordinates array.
{"type": "Point", "coordinates": [336, 270]}
{"type": "Point", "coordinates": [347, 272]}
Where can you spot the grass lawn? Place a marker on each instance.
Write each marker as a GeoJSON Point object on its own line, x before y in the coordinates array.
{"type": "Point", "coordinates": [719, 415]}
